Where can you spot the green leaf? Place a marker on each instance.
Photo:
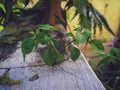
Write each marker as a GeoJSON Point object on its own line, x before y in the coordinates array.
{"type": "Point", "coordinates": [97, 56]}
{"type": "Point", "coordinates": [79, 29]}
{"type": "Point", "coordinates": [82, 37]}
{"type": "Point", "coordinates": [2, 13]}
{"type": "Point", "coordinates": [115, 52]}
{"type": "Point", "coordinates": [36, 42]}
{"type": "Point", "coordinates": [75, 41]}
{"type": "Point", "coordinates": [75, 53]}
{"type": "Point", "coordinates": [97, 45]}
{"type": "Point", "coordinates": [47, 27]}
{"type": "Point", "coordinates": [60, 57]}
{"type": "Point", "coordinates": [54, 43]}
{"type": "Point", "coordinates": [44, 38]}
{"type": "Point", "coordinates": [56, 54]}
{"type": "Point", "coordinates": [86, 22]}
{"type": "Point", "coordinates": [104, 61]}
{"type": "Point", "coordinates": [98, 22]}
{"type": "Point", "coordinates": [48, 57]}
{"type": "Point", "coordinates": [2, 6]}
{"type": "Point", "coordinates": [27, 46]}
{"type": "Point", "coordinates": [69, 35]}
{"type": "Point", "coordinates": [38, 34]}
{"type": "Point", "coordinates": [79, 4]}
{"type": "Point", "coordinates": [32, 33]}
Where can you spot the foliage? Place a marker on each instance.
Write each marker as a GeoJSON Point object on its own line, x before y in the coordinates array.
{"type": "Point", "coordinates": [89, 17]}
{"type": "Point", "coordinates": [75, 53]}
{"type": "Point", "coordinates": [108, 69]}
{"type": "Point", "coordinates": [6, 80]}
{"type": "Point", "coordinates": [83, 34]}
{"type": "Point", "coordinates": [97, 45]}
{"type": "Point", "coordinates": [10, 9]}
{"type": "Point", "coordinates": [51, 54]}
{"type": "Point", "coordinates": [27, 49]}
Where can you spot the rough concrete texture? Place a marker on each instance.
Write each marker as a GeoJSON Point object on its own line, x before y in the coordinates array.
{"type": "Point", "coordinates": [35, 75]}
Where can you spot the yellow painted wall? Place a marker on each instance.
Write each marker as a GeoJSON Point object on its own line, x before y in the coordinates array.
{"type": "Point", "coordinates": [111, 10]}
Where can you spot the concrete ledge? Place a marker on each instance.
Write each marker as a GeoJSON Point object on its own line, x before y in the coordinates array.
{"type": "Point", "coordinates": [35, 75]}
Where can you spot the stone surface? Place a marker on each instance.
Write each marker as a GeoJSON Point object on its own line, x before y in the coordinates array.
{"type": "Point", "coordinates": [35, 75]}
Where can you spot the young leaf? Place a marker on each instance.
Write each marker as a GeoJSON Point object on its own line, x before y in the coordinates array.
{"type": "Point", "coordinates": [45, 39]}
{"type": "Point", "coordinates": [27, 46]}
{"type": "Point", "coordinates": [97, 45]}
{"type": "Point", "coordinates": [75, 53]}
{"type": "Point", "coordinates": [48, 57]}
{"type": "Point", "coordinates": [82, 37]}
{"type": "Point", "coordinates": [47, 27]}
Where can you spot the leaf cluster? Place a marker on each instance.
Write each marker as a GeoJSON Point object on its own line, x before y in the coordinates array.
{"type": "Point", "coordinates": [89, 17]}
{"type": "Point", "coordinates": [51, 54]}
{"type": "Point", "coordinates": [83, 34]}
{"type": "Point", "coordinates": [108, 69]}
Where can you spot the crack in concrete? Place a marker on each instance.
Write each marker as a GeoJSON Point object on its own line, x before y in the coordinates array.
{"type": "Point", "coordinates": [23, 66]}
{"type": "Point", "coordinates": [69, 73]}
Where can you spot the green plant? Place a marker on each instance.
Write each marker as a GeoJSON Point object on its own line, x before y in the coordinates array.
{"type": "Point", "coordinates": [51, 55]}
{"type": "Point", "coordinates": [108, 69]}
{"type": "Point", "coordinates": [6, 80]}
{"type": "Point", "coordinates": [89, 18]}
{"type": "Point", "coordinates": [83, 34]}
{"type": "Point", "coordinates": [10, 9]}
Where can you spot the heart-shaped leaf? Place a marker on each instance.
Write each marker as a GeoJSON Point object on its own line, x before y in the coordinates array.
{"type": "Point", "coordinates": [48, 57]}
{"type": "Point", "coordinates": [75, 53]}
{"type": "Point", "coordinates": [27, 46]}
